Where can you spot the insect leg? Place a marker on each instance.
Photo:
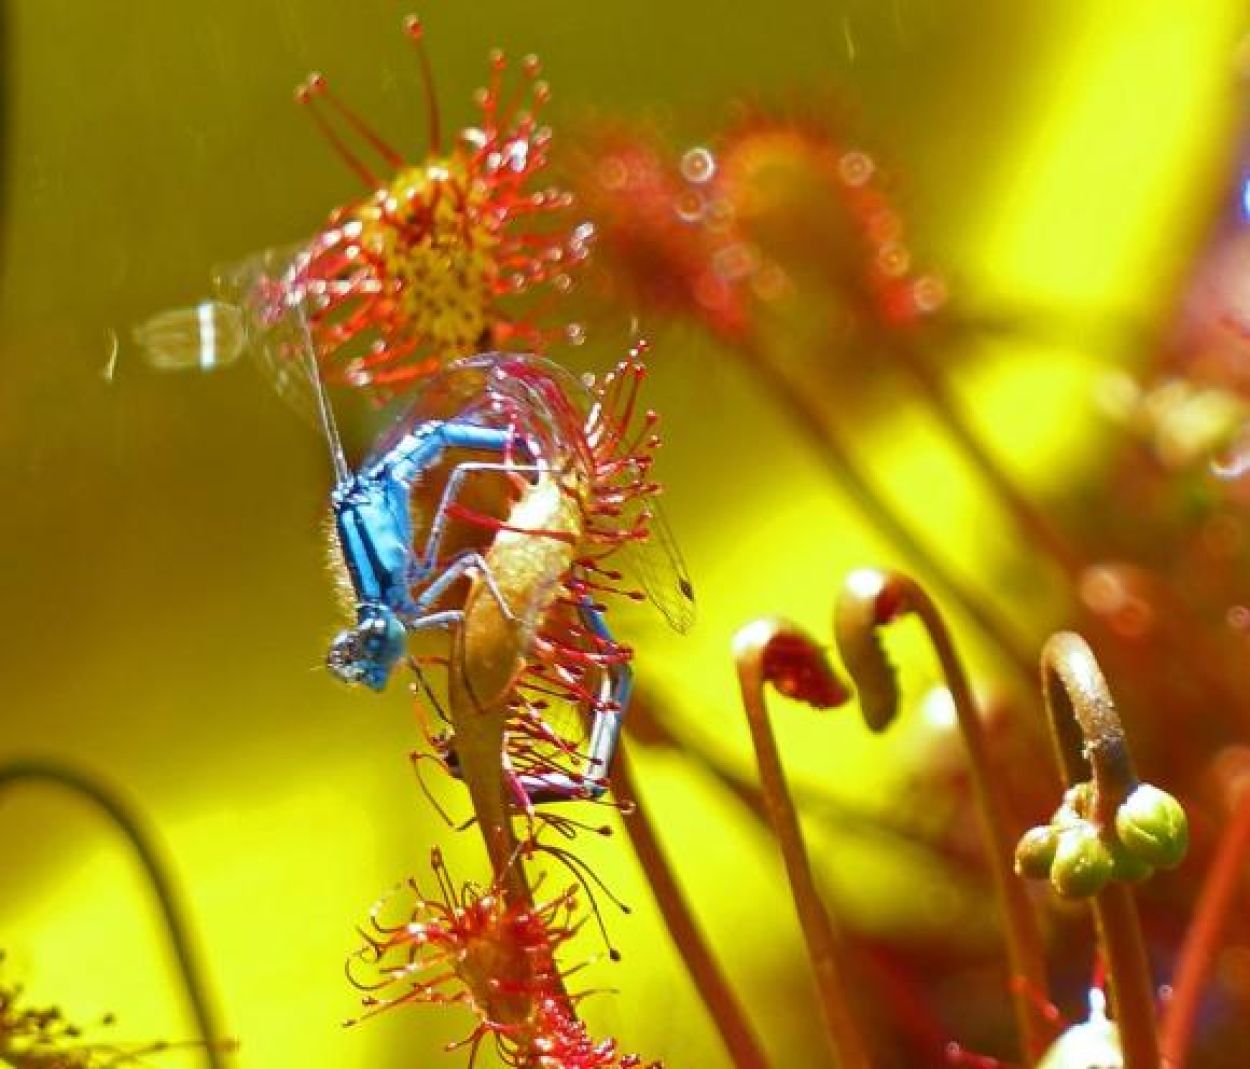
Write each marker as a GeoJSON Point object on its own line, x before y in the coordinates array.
{"type": "Point", "coordinates": [463, 566]}
{"type": "Point", "coordinates": [438, 527]}
{"type": "Point", "coordinates": [605, 730]}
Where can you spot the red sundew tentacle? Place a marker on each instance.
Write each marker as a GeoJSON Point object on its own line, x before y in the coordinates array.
{"type": "Point", "coordinates": [416, 759]}
{"type": "Point", "coordinates": [306, 95]}
{"type": "Point", "coordinates": [591, 565]}
{"type": "Point", "coordinates": [379, 145]}
{"type": "Point", "coordinates": [416, 34]}
{"type": "Point", "coordinates": [562, 653]}
{"type": "Point", "coordinates": [593, 455]}
{"type": "Point", "coordinates": [399, 376]}
{"type": "Point", "coordinates": [541, 684]}
{"type": "Point", "coordinates": [532, 735]}
{"type": "Point", "coordinates": [422, 268]}
{"type": "Point", "coordinates": [583, 635]}
{"type": "Point", "coordinates": [490, 95]}
{"type": "Point", "coordinates": [567, 692]}
{"type": "Point", "coordinates": [461, 512]}
{"type": "Point", "coordinates": [585, 586]}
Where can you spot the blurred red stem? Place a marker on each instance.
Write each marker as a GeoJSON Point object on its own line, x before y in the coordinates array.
{"type": "Point", "coordinates": [823, 942]}
{"type": "Point", "coordinates": [1089, 738]}
{"type": "Point", "coordinates": [1024, 942]}
{"type": "Point", "coordinates": [1202, 940]}
{"type": "Point", "coordinates": [157, 870]}
{"type": "Point", "coordinates": [479, 749]}
{"type": "Point", "coordinates": [736, 1033]}
{"type": "Point", "coordinates": [799, 405]}
{"type": "Point", "coordinates": [1036, 527]}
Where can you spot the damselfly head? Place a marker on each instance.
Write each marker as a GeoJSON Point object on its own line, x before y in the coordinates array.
{"type": "Point", "coordinates": [367, 652]}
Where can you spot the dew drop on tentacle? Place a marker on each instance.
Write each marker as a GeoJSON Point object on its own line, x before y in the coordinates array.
{"type": "Point", "coordinates": [928, 294]}
{"type": "Point", "coordinates": [1238, 619]}
{"type": "Point", "coordinates": [689, 206]}
{"type": "Point", "coordinates": [1233, 462]}
{"type": "Point", "coordinates": [856, 168]}
{"type": "Point", "coordinates": [698, 165]}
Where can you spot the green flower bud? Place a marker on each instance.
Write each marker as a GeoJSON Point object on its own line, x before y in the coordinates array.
{"type": "Point", "coordinates": [1077, 805]}
{"type": "Point", "coordinates": [1082, 864]}
{"type": "Point", "coordinates": [1035, 852]}
{"type": "Point", "coordinates": [1128, 867]}
{"type": "Point", "coordinates": [1152, 826]}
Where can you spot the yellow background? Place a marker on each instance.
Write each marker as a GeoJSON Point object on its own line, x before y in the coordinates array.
{"type": "Point", "coordinates": [162, 578]}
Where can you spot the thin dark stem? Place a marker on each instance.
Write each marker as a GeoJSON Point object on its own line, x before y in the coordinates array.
{"type": "Point", "coordinates": [1036, 527]}
{"type": "Point", "coordinates": [1175, 611]}
{"type": "Point", "coordinates": [800, 407]}
{"type": "Point", "coordinates": [870, 600]}
{"type": "Point", "coordinates": [835, 813]}
{"type": "Point", "coordinates": [823, 942]}
{"type": "Point", "coordinates": [1089, 740]}
{"type": "Point", "coordinates": [160, 878]}
{"type": "Point", "coordinates": [735, 1030]}
{"type": "Point", "coordinates": [1128, 975]}
{"type": "Point", "coordinates": [1198, 951]}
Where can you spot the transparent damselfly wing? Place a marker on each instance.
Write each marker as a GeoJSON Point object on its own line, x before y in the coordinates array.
{"type": "Point", "coordinates": [255, 309]}
{"type": "Point", "coordinates": [660, 569]}
{"type": "Point", "coordinates": [566, 403]}
{"type": "Point", "coordinates": [552, 411]}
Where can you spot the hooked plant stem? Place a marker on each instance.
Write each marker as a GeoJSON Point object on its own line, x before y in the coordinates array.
{"type": "Point", "coordinates": [735, 1030]}
{"type": "Point", "coordinates": [159, 874]}
{"type": "Point", "coordinates": [832, 811]}
{"type": "Point", "coordinates": [1024, 942]}
{"type": "Point", "coordinates": [838, 461]}
{"type": "Point", "coordinates": [1197, 953]}
{"type": "Point", "coordinates": [1088, 736]}
{"type": "Point", "coordinates": [823, 942]}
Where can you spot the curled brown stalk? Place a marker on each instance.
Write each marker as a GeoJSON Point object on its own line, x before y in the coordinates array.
{"type": "Point", "coordinates": [741, 1043]}
{"type": "Point", "coordinates": [1111, 829]}
{"type": "Point", "coordinates": [159, 874]}
{"type": "Point", "coordinates": [1202, 939]}
{"type": "Point", "coordinates": [838, 460]}
{"type": "Point", "coordinates": [672, 263]}
{"type": "Point", "coordinates": [869, 600]}
{"type": "Point", "coordinates": [777, 652]}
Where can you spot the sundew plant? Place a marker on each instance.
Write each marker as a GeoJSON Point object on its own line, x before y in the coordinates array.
{"type": "Point", "coordinates": [722, 545]}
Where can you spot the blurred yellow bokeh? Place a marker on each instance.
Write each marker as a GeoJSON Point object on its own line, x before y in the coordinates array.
{"type": "Point", "coordinates": [164, 585]}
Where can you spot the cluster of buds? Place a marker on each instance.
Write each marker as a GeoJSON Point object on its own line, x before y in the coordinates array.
{"type": "Point", "coordinates": [44, 1038]}
{"type": "Point", "coordinates": [1080, 854]}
